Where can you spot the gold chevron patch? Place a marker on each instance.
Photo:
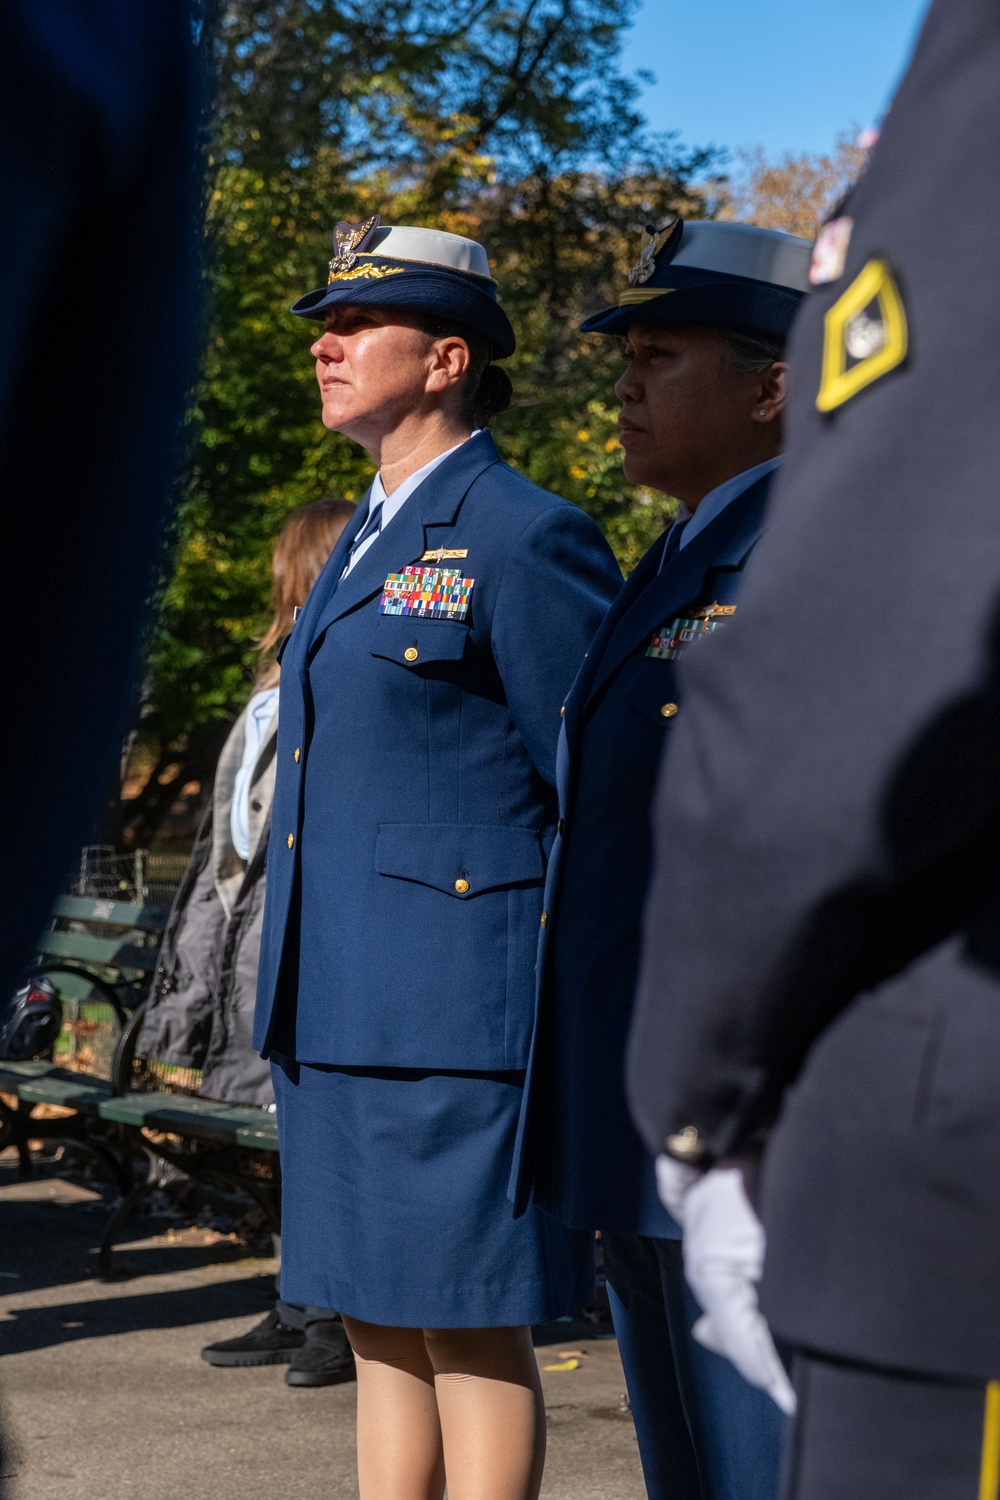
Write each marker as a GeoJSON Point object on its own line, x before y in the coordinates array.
{"type": "Point", "coordinates": [865, 336]}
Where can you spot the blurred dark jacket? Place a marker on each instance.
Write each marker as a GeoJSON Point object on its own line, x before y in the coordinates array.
{"type": "Point", "coordinates": [100, 186]}
{"type": "Point", "coordinates": [200, 1012]}
{"type": "Point", "coordinates": [821, 968]}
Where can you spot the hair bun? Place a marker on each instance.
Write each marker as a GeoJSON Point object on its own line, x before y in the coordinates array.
{"type": "Point", "coordinates": [494, 395]}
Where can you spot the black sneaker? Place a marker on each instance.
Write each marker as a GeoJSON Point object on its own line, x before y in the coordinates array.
{"type": "Point", "coordinates": [326, 1357]}
{"type": "Point", "coordinates": [270, 1343]}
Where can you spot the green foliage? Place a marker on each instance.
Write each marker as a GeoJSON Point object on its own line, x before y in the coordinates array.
{"type": "Point", "coordinates": [507, 120]}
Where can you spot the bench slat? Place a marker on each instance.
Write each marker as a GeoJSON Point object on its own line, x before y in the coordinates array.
{"type": "Point", "coordinates": [258, 1139]}
{"type": "Point", "coordinates": [75, 986]}
{"type": "Point", "coordinates": [13, 1074]}
{"type": "Point", "coordinates": [82, 1093]}
{"type": "Point", "coordinates": [116, 952]}
{"type": "Point", "coordinates": [182, 1116]}
{"type": "Point", "coordinates": [44, 1083]}
{"type": "Point", "coordinates": [124, 913]}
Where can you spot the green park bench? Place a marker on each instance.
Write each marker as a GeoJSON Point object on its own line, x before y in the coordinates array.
{"type": "Point", "coordinates": [100, 955]}
{"type": "Point", "coordinates": [112, 1101]}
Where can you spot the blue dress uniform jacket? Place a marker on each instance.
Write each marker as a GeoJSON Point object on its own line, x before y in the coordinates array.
{"type": "Point", "coordinates": [415, 805]}
{"type": "Point", "coordinates": [579, 1155]}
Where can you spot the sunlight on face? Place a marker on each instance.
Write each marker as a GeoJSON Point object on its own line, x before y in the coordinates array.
{"type": "Point", "coordinates": [371, 365]}
{"type": "Point", "coordinates": [683, 405]}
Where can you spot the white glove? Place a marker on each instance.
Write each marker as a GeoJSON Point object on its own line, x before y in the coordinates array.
{"type": "Point", "coordinates": [723, 1261]}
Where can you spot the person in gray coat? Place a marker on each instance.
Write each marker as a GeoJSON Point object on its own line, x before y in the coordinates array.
{"type": "Point", "coordinates": [200, 1010]}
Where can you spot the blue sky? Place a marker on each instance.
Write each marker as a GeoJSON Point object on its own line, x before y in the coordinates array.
{"type": "Point", "coordinates": [783, 74]}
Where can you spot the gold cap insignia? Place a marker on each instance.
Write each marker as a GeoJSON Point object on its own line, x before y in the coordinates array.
{"type": "Point", "coordinates": [653, 242]}
{"type": "Point", "coordinates": [348, 240]}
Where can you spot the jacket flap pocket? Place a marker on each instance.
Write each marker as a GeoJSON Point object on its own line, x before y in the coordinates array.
{"type": "Point", "coordinates": [412, 641]}
{"type": "Point", "coordinates": [653, 694]}
{"type": "Point", "coordinates": [463, 859]}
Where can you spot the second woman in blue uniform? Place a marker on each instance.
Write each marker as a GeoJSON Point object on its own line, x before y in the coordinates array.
{"type": "Point", "coordinates": [413, 814]}
{"type": "Point", "coordinates": [704, 317]}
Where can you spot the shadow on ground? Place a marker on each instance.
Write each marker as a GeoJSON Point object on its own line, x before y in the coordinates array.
{"type": "Point", "coordinates": [106, 1397]}
{"type": "Point", "coordinates": [67, 1322]}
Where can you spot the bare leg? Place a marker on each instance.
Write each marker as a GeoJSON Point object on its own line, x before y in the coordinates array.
{"type": "Point", "coordinates": [400, 1456]}
{"type": "Point", "coordinates": [489, 1399]}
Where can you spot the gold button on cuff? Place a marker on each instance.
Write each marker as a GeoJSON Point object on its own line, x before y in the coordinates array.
{"type": "Point", "coordinates": [686, 1145]}
{"type": "Point", "coordinates": [298, 755]}
{"type": "Point", "coordinates": [545, 919]}
{"type": "Point", "coordinates": [461, 886]}
{"type": "Point", "coordinates": [290, 840]}
{"type": "Point", "coordinates": [668, 710]}
{"type": "Point", "coordinates": [411, 653]}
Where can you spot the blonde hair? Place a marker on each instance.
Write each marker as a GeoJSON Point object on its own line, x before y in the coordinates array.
{"type": "Point", "coordinates": [303, 546]}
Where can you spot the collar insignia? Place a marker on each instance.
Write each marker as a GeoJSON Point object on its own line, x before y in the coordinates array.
{"type": "Point", "coordinates": [653, 242]}
{"type": "Point", "coordinates": [348, 241]}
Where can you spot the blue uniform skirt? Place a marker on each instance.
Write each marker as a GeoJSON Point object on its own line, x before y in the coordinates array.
{"type": "Point", "coordinates": [394, 1202]}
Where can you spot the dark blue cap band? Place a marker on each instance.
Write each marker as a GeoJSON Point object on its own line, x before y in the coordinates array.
{"type": "Point", "coordinates": [465, 300]}
{"type": "Point", "coordinates": [688, 297]}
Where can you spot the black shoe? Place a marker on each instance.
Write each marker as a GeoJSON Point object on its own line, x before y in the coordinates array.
{"type": "Point", "coordinates": [270, 1343]}
{"type": "Point", "coordinates": [326, 1358]}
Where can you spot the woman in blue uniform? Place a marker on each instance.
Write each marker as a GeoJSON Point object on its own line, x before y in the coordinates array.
{"type": "Point", "coordinates": [704, 320]}
{"type": "Point", "coordinates": [414, 810]}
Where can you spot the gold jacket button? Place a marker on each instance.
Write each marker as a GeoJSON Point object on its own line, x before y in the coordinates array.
{"type": "Point", "coordinates": [562, 712]}
{"type": "Point", "coordinates": [298, 755]}
{"type": "Point", "coordinates": [290, 840]}
{"type": "Point", "coordinates": [561, 826]}
{"type": "Point", "coordinates": [668, 710]}
{"type": "Point", "coordinates": [461, 886]}
{"type": "Point", "coordinates": [411, 653]}
{"type": "Point", "coordinates": [545, 919]}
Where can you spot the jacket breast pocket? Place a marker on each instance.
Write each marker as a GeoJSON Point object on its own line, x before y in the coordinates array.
{"type": "Point", "coordinates": [653, 693]}
{"type": "Point", "coordinates": [415, 643]}
{"type": "Point", "coordinates": [461, 859]}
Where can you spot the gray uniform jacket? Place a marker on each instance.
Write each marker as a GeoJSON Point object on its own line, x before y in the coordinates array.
{"type": "Point", "coordinates": [200, 1011]}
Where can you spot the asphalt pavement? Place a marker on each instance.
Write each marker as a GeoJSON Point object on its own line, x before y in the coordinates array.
{"type": "Point", "coordinates": [104, 1397]}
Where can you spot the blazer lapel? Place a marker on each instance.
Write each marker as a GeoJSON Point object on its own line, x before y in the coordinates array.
{"type": "Point", "coordinates": [433, 504]}
{"type": "Point", "coordinates": [632, 590]}
{"type": "Point", "coordinates": [724, 543]}
{"type": "Point", "coordinates": [325, 586]}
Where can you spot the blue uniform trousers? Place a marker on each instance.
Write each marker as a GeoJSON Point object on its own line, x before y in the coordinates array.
{"type": "Point", "coordinates": [704, 1433]}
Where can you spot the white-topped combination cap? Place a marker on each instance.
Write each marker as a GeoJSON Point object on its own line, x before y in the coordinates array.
{"type": "Point", "coordinates": [429, 247]}
{"type": "Point", "coordinates": [768, 255]}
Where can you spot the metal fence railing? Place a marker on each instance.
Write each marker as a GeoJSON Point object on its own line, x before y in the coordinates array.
{"type": "Point", "coordinates": [149, 879]}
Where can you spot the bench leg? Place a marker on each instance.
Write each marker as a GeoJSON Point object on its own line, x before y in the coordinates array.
{"type": "Point", "coordinates": [269, 1200]}
{"type": "Point", "coordinates": [119, 1167]}
{"type": "Point", "coordinates": [25, 1166]}
{"type": "Point", "coordinates": [158, 1174]}
{"type": "Point", "coordinates": [116, 1224]}
{"type": "Point", "coordinates": [12, 1134]}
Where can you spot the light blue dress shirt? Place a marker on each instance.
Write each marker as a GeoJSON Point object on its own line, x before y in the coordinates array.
{"type": "Point", "coordinates": [256, 722]}
{"type": "Point", "coordinates": [393, 504]}
{"type": "Point", "coordinates": [716, 500]}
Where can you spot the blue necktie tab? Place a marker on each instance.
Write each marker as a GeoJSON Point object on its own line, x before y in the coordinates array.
{"type": "Point", "coordinates": [371, 528]}
{"type": "Point", "coordinates": [673, 545]}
